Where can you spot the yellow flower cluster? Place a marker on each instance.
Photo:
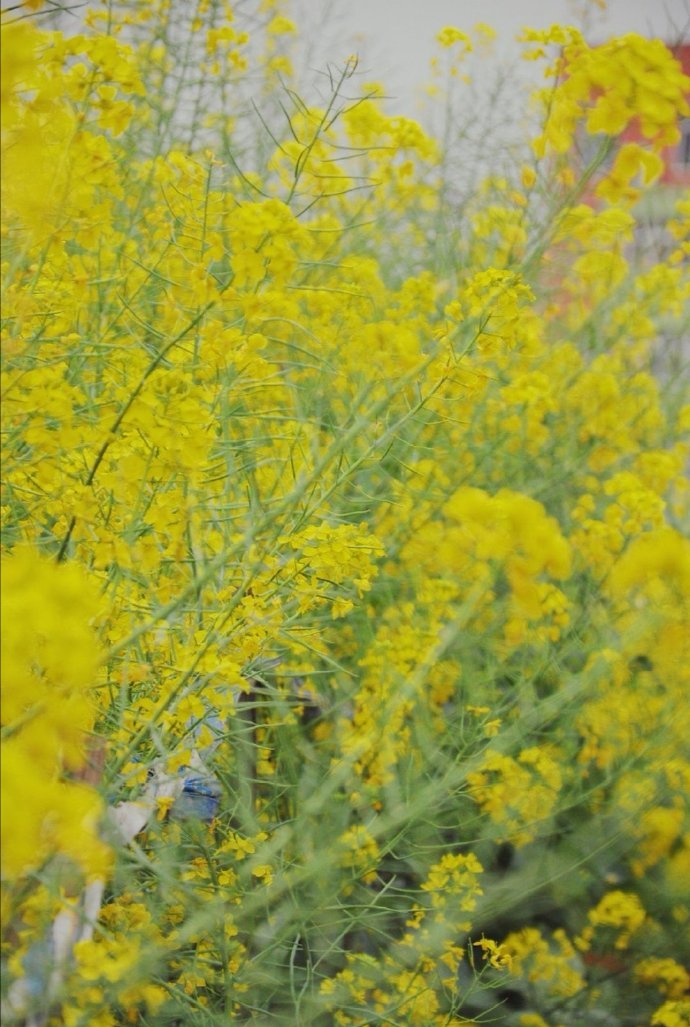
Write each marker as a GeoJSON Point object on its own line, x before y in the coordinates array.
{"type": "Point", "coordinates": [344, 520]}
{"type": "Point", "coordinates": [619, 911]}
{"type": "Point", "coordinates": [549, 964]}
{"type": "Point", "coordinates": [50, 670]}
{"type": "Point", "coordinates": [518, 795]}
{"type": "Point", "coordinates": [625, 79]}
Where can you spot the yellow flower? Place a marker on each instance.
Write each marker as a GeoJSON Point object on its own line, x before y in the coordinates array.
{"type": "Point", "coordinates": [674, 1013]}
{"type": "Point", "coordinates": [449, 36]}
{"type": "Point", "coordinates": [50, 660]}
{"type": "Point", "coordinates": [263, 872]}
{"type": "Point", "coordinates": [617, 910]}
{"type": "Point", "coordinates": [497, 955]}
{"type": "Point", "coordinates": [281, 26]}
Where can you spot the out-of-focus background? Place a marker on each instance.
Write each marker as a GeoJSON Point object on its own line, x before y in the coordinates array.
{"type": "Point", "coordinates": [396, 38]}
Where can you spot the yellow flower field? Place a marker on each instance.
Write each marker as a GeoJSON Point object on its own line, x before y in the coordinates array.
{"type": "Point", "coordinates": [345, 558]}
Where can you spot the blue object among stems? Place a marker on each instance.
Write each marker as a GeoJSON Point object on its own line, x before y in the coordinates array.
{"type": "Point", "coordinates": [198, 800]}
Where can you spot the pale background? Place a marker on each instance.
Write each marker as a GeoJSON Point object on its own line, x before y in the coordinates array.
{"type": "Point", "coordinates": [395, 38]}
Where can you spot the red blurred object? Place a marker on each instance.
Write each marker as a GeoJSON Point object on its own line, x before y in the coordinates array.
{"type": "Point", "coordinates": [608, 961]}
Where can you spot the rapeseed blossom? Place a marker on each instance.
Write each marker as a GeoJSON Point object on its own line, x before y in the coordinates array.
{"type": "Point", "coordinates": [50, 670]}
{"type": "Point", "coordinates": [358, 492]}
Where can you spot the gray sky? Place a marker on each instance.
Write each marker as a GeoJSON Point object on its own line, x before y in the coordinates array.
{"type": "Point", "coordinates": [396, 37]}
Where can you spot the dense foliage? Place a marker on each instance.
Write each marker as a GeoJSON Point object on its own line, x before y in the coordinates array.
{"type": "Point", "coordinates": [343, 537]}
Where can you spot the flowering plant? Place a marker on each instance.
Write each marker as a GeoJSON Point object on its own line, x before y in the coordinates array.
{"type": "Point", "coordinates": [346, 585]}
